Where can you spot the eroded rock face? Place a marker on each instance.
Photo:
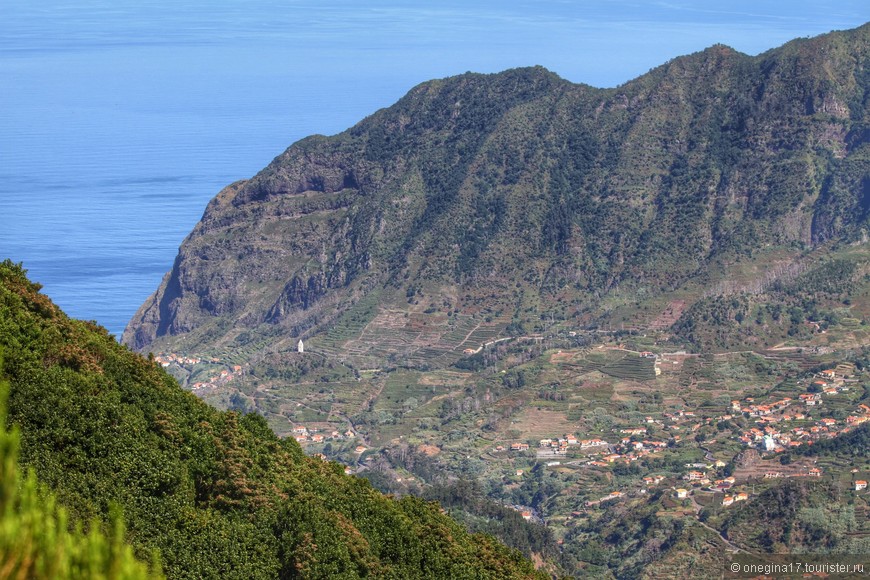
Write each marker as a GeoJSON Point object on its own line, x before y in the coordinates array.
{"type": "Point", "coordinates": [521, 182]}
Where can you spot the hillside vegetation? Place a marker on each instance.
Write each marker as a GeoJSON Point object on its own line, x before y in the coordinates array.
{"type": "Point", "coordinates": [212, 494]}
{"type": "Point", "coordinates": [35, 540]}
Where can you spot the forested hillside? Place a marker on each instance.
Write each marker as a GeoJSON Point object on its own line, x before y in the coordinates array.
{"type": "Point", "coordinates": [211, 494]}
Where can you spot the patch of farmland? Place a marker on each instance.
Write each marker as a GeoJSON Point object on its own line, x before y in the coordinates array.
{"type": "Point", "coordinates": [800, 357]}
{"type": "Point", "coordinates": [669, 315]}
{"type": "Point", "coordinates": [631, 367]}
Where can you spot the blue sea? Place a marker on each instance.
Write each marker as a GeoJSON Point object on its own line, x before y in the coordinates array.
{"type": "Point", "coordinates": [120, 120]}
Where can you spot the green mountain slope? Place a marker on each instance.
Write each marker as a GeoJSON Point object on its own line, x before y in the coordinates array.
{"type": "Point", "coordinates": [482, 200]}
{"type": "Point", "coordinates": [216, 493]}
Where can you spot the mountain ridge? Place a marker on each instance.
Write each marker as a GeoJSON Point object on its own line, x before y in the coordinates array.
{"type": "Point", "coordinates": [522, 190]}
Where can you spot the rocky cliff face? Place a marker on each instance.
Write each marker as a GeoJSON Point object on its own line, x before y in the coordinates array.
{"type": "Point", "coordinates": [534, 193]}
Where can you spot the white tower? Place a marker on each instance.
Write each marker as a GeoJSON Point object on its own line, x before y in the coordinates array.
{"type": "Point", "coordinates": [300, 348]}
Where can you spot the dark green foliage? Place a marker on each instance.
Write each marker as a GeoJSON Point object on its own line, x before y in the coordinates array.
{"type": "Point", "coordinates": [466, 500]}
{"type": "Point", "coordinates": [35, 540]}
{"type": "Point", "coordinates": [788, 306]}
{"type": "Point", "coordinates": [218, 494]}
{"type": "Point", "coordinates": [795, 516]}
{"type": "Point", "coordinates": [627, 540]}
{"type": "Point", "coordinates": [856, 443]}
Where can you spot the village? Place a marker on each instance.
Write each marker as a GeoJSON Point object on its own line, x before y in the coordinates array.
{"type": "Point", "coordinates": [740, 443]}
{"type": "Point", "coordinates": [304, 434]}
{"type": "Point", "coordinates": [781, 424]}
{"type": "Point", "coordinates": [167, 360]}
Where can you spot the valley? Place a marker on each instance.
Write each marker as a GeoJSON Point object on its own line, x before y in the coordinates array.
{"type": "Point", "coordinates": [567, 427]}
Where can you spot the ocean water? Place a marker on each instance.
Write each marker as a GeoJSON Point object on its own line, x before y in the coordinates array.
{"type": "Point", "coordinates": [120, 120]}
{"type": "Point", "coordinates": [110, 149]}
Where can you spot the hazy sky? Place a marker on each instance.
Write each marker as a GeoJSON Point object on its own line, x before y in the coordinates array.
{"type": "Point", "coordinates": [600, 42]}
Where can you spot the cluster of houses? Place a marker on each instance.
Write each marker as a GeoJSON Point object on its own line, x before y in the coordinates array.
{"type": "Point", "coordinates": [166, 359]}
{"type": "Point", "coordinates": [811, 472]}
{"type": "Point", "coordinates": [695, 477]}
{"type": "Point", "coordinates": [224, 376]}
{"type": "Point", "coordinates": [682, 493]}
{"type": "Point", "coordinates": [221, 378]}
{"type": "Point", "coordinates": [303, 434]}
{"type": "Point", "coordinates": [627, 451]}
{"type": "Point", "coordinates": [769, 435]}
{"type": "Point", "coordinates": [723, 485]}
{"type": "Point", "coordinates": [702, 479]}
{"type": "Point", "coordinates": [558, 445]}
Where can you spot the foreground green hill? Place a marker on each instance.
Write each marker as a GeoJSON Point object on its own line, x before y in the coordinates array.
{"type": "Point", "coordinates": [35, 540]}
{"type": "Point", "coordinates": [216, 495]}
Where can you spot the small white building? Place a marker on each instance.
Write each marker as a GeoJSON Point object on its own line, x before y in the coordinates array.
{"type": "Point", "coordinates": [300, 347]}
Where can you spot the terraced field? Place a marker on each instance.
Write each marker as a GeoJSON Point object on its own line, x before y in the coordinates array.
{"type": "Point", "coordinates": [691, 367]}
{"type": "Point", "coordinates": [800, 357]}
{"type": "Point", "coordinates": [348, 326]}
{"type": "Point", "coordinates": [617, 364]}
{"type": "Point", "coordinates": [240, 355]}
{"type": "Point", "coordinates": [370, 337]}
{"type": "Point", "coordinates": [593, 361]}
{"type": "Point", "coordinates": [631, 367]}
